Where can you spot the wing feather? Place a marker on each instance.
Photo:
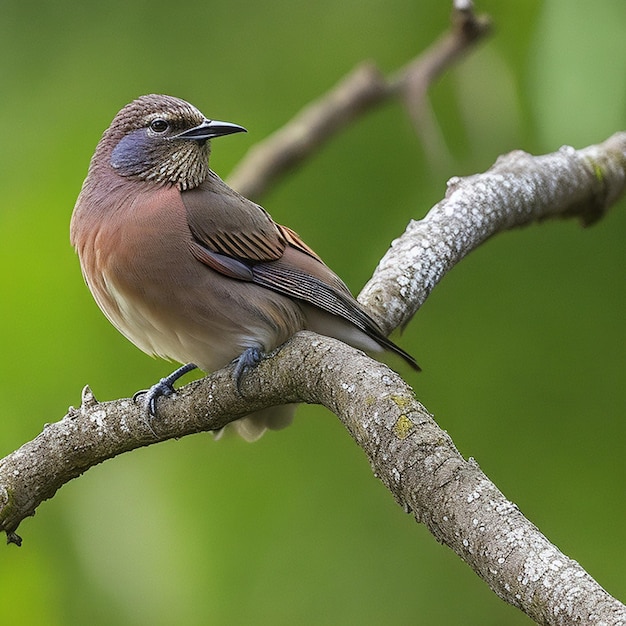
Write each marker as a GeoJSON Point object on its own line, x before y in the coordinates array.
{"type": "Point", "coordinates": [239, 239]}
{"type": "Point", "coordinates": [227, 223]}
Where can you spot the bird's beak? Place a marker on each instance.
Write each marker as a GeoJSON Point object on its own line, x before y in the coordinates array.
{"type": "Point", "coordinates": [210, 129]}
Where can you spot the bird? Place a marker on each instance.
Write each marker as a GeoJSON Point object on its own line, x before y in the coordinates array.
{"type": "Point", "coordinates": [191, 271]}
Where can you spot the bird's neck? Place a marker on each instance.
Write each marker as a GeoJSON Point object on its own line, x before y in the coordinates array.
{"type": "Point", "coordinates": [185, 166]}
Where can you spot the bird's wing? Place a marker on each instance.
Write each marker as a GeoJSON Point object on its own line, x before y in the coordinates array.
{"type": "Point", "coordinates": [229, 224]}
{"type": "Point", "coordinates": [298, 275]}
{"type": "Point", "coordinates": [239, 239]}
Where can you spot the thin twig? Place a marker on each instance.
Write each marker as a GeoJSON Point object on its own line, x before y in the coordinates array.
{"type": "Point", "coordinates": [359, 92]}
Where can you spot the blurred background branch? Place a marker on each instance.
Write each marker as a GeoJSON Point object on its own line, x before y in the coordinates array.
{"type": "Point", "coordinates": [356, 94]}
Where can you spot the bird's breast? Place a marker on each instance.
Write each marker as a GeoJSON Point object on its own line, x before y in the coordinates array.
{"type": "Point", "coordinates": [134, 249]}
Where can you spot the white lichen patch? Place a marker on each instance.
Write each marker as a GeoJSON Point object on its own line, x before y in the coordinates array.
{"type": "Point", "coordinates": [124, 425]}
{"type": "Point", "coordinates": [473, 496]}
{"type": "Point", "coordinates": [99, 418]}
{"type": "Point", "coordinates": [504, 508]}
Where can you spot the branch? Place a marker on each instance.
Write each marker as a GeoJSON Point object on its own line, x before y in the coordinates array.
{"type": "Point", "coordinates": [518, 189]}
{"type": "Point", "coordinates": [359, 92]}
{"type": "Point", "coordinates": [414, 458]}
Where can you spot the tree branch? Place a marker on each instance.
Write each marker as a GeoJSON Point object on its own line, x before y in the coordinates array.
{"type": "Point", "coordinates": [414, 458]}
{"type": "Point", "coordinates": [519, 189]}
{"type": "Point", "coordinates": [359, 92]}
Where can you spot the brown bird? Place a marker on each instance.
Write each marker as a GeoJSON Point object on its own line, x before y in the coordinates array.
{"type": "Point", "coordinates": [188, 269]}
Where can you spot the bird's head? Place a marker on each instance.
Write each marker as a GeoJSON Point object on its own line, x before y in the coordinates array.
{"type": "Point", "coordinates": [161, 139]}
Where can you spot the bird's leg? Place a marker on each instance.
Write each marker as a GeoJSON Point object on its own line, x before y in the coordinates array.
{"type": "Point", "coordinates": [245, 361]}
{"type": "Point", "coordinates": [164, 387]}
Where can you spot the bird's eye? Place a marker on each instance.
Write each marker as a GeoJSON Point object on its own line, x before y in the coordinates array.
{"type": "Point", "coordinates": [159, 125]}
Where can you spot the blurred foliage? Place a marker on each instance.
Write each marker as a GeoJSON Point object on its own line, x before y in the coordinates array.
{"type": "Point", "coordinates": [522, 345]}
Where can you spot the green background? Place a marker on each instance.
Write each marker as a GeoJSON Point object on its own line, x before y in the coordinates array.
{"type": "Point", "coordinates": [522, 345]}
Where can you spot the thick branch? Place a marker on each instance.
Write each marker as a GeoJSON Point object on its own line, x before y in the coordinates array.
{"type": "Point", "coordinates": [411, 455]}
{"type": "Point", "coordinates": [415, 460]}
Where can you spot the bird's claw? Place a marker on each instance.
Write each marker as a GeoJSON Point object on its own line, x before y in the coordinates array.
{"type": "Point", "coordinates": [151, 395]}
{"type": "Point", "coordinates": [248, 359]}
{"type": "Point", "coordinates": [165, 387]}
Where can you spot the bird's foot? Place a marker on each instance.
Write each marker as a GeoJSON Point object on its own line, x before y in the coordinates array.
{"type": "Point", "coordinates": [165, 387]}
{"type": "Point", "coordinates": [248, 359]}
